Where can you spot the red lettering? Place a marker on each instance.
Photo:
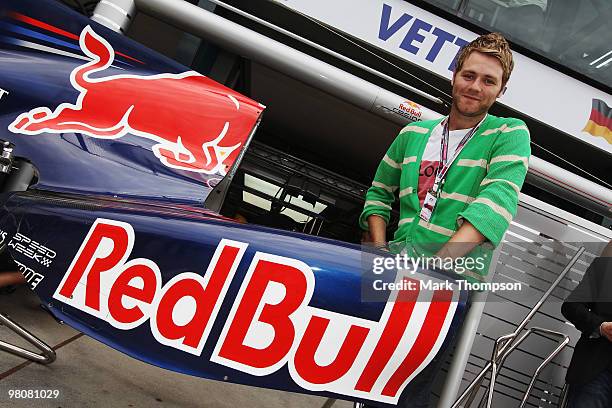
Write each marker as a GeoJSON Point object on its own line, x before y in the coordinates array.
{"type": "Point", "coordinates": [101, 230]}
{"type": "Point", "coordinates": [305, 363]}
{"type": "Point", "coordinates": [390, 338]}
{"type": "Point", "coordinates": [205, 298]}
{"type": "Point", "coordinates": [425, 341]}
{"type": "Point", "coordinates": [276, 315]}
{"type": "Point", "coordinates": [122, 288]}
{"type": "Point", "coordinates": [192, 332]}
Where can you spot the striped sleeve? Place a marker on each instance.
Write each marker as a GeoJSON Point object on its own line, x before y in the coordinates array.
{"type": "Point", "coordinates": [381, 195]}
{"type": "Point", "coordinates": [498, 194]}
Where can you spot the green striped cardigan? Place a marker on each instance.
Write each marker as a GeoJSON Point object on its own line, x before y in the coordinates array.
{"type": "Point", "coordinates": [482, 185]}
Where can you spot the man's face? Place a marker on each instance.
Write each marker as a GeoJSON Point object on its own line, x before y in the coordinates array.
{"type": "Point", "coordinates": [477, 85]}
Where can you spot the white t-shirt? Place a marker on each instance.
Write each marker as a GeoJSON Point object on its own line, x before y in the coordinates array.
{"type": "Point", "coordinates": [431, 157]}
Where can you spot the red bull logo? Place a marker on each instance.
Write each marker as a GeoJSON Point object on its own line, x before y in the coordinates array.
{"type": "Point", "coordinates": [196, 124]}
{"type": "Point", "coordinates": [271, 324]}
{"type": "Point", "coordinates": [411, 108]}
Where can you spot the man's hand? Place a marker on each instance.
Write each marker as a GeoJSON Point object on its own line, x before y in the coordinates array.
{"type": "Point", "coordinates": [606, 330]}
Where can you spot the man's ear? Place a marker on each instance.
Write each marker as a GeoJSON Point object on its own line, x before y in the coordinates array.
{"type": "Point", "coordinates": [503, 91]}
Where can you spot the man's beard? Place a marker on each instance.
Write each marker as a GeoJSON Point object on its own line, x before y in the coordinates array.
{"type": "Point", "coordinates": [481, 110]}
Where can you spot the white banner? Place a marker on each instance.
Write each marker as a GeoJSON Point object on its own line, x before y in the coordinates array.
{"type": "Point", "coordinates": [432, 42]}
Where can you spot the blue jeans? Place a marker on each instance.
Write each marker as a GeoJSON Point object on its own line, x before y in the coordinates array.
{"type": "Point", "coordinates": [594, 394]}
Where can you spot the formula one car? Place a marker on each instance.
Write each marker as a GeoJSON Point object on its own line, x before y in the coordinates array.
{"type": "Point", "coordinates": [115, 162]}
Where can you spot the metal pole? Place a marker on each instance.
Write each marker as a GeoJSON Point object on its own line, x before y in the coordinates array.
{"type": "Point", "coordinates": [476, 381]}
{"type": "Point", "coordinates": [453, 380]}
{"type": "Point", "coordinates": [47, 355]}
{"type": "Point", "coordinates": [550, 357]}
{"type": "Point", "coordinates": [280, 57]}
{"type": "Point", "coordinates": [115, 14]}
{"type": "Point", "coordinates": [584, 192]}
{"type": "Point", "coordinates": [549, 291]}
{"type": "Point", "coordinates": [328, 51]}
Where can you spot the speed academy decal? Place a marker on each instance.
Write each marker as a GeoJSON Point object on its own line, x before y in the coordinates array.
{"type": "Point", "coordinates": [270, 324]}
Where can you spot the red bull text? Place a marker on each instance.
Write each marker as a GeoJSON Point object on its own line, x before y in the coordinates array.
{"type": "Point", "coordinates": [411, 108]}
{"type": "Point", "coordinates": [270, 325]}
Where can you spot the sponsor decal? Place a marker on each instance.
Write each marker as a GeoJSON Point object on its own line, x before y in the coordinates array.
{"type": "Point", "coordinates": [270, 325]}
{"type": "Point", "coordinates": [32, 278]}
{"type": "Point", "coordinates": [32, 249]}
{"type": "Point", "coordinates": [410, 110]}
{"type": "Point", "coordinates": [600, 120]}
{"type": "Point", "coordinates": [3, 235]}
{"type": "Point", "coordinates": [3, 92]}
{"type": "Point", "coordinates": [414, 38]}
{"type": "Point", "coordinates": [186, 114]}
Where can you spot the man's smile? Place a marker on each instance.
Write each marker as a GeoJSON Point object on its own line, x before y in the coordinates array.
{"type": "Point", "coordinates": [472, 98]}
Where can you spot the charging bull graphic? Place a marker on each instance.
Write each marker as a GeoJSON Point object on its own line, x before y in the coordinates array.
{"type": "Point", "coordinates": [198, 124]}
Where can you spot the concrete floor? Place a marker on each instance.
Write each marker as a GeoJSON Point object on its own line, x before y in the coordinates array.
{"type": "Point", "coordinates": [90, 374]}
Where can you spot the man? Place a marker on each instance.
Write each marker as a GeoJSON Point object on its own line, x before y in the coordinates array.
{"type": "Point", "coordinates": [458, 178]}
{"type": "Point", "coordinates": [589, 308]}
{"type": "Point", "coordinates": [476, 195]}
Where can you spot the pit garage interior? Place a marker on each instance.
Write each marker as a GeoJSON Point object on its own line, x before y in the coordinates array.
{"type": "Point", "coordinates": [310, 145]}
{"type": "Point", "coordinates": [307, 170]}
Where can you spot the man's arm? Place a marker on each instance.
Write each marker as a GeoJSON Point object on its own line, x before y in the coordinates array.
{"type": "Point", "coordinates": [497, 198]}
{"type": "Point", "coordinates": [381, 195]}
{"type": "Point", "coordinates": [490, 214]}
{"type": "Point", "coordinates": [378, 230]}
{"type": "Point", "coordinates": [462, 242]}
{"type": "Point", "coordinates": [578, 307]}
{"type": "Point", "coordinates": [581, 316]}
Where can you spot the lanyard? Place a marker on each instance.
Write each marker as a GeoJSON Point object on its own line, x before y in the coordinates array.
{"type": "Point", "coordinates": [444, 162]}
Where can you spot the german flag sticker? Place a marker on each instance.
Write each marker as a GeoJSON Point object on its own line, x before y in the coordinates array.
{"type": "Point", "coordinates": [600, 122]}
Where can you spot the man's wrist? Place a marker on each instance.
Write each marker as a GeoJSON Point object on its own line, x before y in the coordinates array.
{"type": "Point", "coordinates": [381, 245]}
{"type": "Point", "coordinates": [444, 252]}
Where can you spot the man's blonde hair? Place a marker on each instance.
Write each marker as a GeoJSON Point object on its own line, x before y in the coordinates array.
{"type": "Point", "coordinates": [493, 44]}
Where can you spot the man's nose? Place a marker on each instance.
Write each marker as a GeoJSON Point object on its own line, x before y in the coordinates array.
{"type": "Point", "coordinates": [476, 85]}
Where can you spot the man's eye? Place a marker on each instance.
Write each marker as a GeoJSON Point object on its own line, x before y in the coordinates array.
{"type": "Point", "coordinates": [490, 82]}
{"type": "Point", "coordinates": [468, 76]}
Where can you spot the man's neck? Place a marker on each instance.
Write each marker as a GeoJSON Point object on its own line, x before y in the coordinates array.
{"type": "Point", "coordinates": [457, 121]}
